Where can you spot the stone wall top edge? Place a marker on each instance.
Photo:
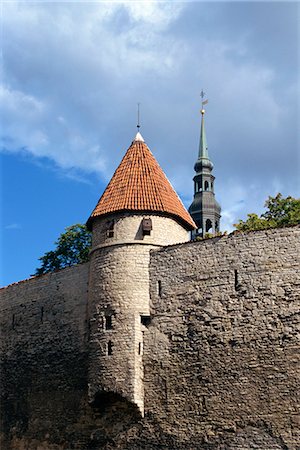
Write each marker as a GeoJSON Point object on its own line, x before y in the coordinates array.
{"type": "Point", "coordinates": [227, 237]}
{"type": "Point", "coordinates": [124, 244]}
{"type": "Point", "coordinates": [44, 277]}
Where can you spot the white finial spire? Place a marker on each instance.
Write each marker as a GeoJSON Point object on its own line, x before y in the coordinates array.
{"type": "Point", "coordinates": [139, 137]}
{"type": "Point", "coordinates": [138, 117]}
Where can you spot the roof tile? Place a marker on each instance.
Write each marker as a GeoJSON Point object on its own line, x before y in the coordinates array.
{"type": "Point", "coordinates": [139, 184]}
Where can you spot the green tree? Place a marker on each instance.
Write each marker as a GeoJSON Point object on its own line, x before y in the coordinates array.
{"type": "Point", "coordinates": [72, 247]}
{"type": "Point", "coordinates": [281, 212]}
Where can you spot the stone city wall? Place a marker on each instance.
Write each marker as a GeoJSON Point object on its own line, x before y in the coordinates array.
{"type": "Point", "coordinates": [44, 356]}
{"type": "Point", "coordinates": [221, 359]}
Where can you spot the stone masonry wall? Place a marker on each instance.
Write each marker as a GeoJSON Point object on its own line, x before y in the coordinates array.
{"type": "Point", "coordinates": [43, 357]}
{"type": "Point", "coordinates": [119, 287]}
{"type": "Point", "coordinates": [127, 229]}
{"type": "Point", "coordinates": [221, 363]}
{"type": "Point", "coordinates": [119, 292]}
{"type": "Point", "coordinates": [220, 357]}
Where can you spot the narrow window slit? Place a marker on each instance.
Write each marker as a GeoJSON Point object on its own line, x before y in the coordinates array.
{"type": "Point", "coordinates": [108, 322]}
{"type": "Point", "coordinates": [109, 348]}
{"type": "Point", "coordinates": [159, 289]}
{"type": "Point", "coordinates": [140, 348]}
{"type": "Point", "coordinates": [236, 280]}
{"type": "Point", "coordinates": [13, 322]}
{"type": "Point", "coordinates": [42, 314]}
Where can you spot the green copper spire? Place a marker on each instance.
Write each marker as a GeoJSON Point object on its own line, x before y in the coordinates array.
{"type": "Point", "coordinates": [203, 152]}
{"type": "Point", "coordinates": [203, 158]}
{"type": "Point", "coordinates": [204, 209]}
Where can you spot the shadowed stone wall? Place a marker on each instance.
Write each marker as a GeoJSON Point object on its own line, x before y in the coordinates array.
{"type": "Point", "coordinates": [44, 356]}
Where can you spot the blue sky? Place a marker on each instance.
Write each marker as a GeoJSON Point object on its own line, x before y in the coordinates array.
{"type": "Point", "coordinates": [73, 72]}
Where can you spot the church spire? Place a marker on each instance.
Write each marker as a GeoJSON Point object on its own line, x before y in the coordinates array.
{"type": "Point", "coordinates": [204, 209]}
{"type": "Point", "coordinates": [203, 151]}
{"type": "Point", "coordinates": [203, 158]}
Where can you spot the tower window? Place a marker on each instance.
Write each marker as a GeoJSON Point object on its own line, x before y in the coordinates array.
{"type": "Point", "coordinates": [206, 185]}
{"type": "Point", "coordinates": [145, 320]}
{"type": "Point", "coordinates": [109, 348]}
{"type": "Point", "coordinates": [110, 230]}
{"type": "Point", "coordinates": [146, 226]}
{"type": "Point", "coordinates": [108, 322]}
{"type": "Point", "coordinates": [198, 187]}
{"type": "Point", "coordinates": [13, 322]}
{"type": "Point", "coordinates": [42, 314]}
{"type": "Point", "coordinates": [208, 225]}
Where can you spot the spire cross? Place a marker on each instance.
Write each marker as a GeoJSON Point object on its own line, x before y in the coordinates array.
{"type": "Point", "coordinates": [138, 117]}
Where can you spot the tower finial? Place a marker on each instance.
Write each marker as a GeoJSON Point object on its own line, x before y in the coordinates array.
{"type": "Point", "coordinates": [138, 117]}
{"type": "Point", "coordinates": [203, 153]}
{"type": "Point", "coordinates": [138, 136]}
{"type": "Point", "coordinates": [204, 102]}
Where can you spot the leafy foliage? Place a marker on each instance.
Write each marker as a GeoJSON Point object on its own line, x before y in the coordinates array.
{"type": "Point", "coordinates": [72, 247]}
{"type": "Point", "coordinates": [210, 236]}
{"type": "Point", "coordinates": [281, 212]}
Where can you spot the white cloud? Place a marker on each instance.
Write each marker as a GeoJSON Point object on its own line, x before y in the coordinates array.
{"type": "Point", "coordinates": [13, 226]}
{"type": "Point", "coordinates": [21, 118]}
{"type": "Point", "coordinates": [28, 125]}
{"type": "Point", "coordinates": [59, 60]}
{"type": "Point", "coordinates": [158, 14]}
{"type": "Point", "coordinates": [73, 73]}
{"type": "Point", "coordinates": [17, 102]}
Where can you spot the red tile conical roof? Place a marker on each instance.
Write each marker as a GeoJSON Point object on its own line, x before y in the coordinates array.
{"type": "Point", "coordinates": [139, 184]}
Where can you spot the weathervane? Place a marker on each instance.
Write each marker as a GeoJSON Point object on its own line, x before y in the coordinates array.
{"type": "Point", "coordinates": [204, 102]}
{"type": "Point", "coordinates": [138, 117]}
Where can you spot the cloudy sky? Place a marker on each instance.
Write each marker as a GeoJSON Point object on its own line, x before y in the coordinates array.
{"type": "Point", "coordinates": [73, 73]}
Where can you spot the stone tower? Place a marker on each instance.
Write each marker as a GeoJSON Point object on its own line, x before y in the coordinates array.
{"type": "Point", "coordinates": [138, 211]}
{"type": "Point", "coordinates": [204, 209]}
